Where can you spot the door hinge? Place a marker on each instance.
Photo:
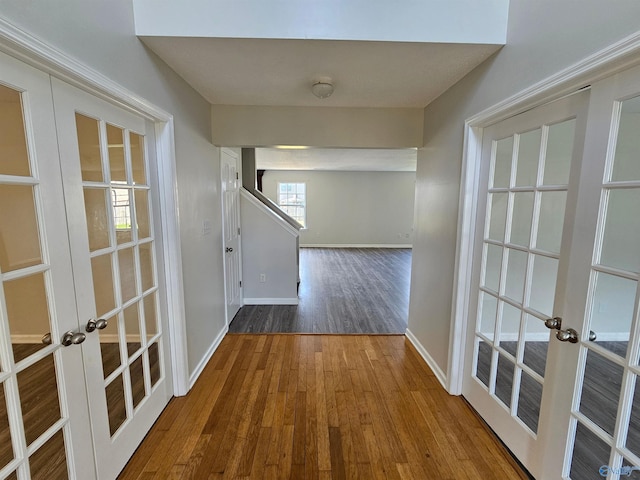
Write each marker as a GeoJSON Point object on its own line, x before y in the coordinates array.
{"type": "Point", "coordinates": [238, 230]}
{"type": "Point", "coordinates": [237, 176]}
{"type": "Point", "coordinates": [240, 283]}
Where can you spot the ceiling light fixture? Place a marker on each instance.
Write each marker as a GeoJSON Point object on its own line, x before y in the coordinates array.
{"type": "Point", "coordinates": [322, 87]}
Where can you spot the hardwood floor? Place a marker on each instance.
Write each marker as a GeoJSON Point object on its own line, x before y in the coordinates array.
{"type": "Point", "coordinates": [342, 290]}
{"type": "Point", "coordinates": [599, 399]}
{"type": "Point", "coordinates": [40, 405]}
{"type": "Point", "coordinates": [319, 407]}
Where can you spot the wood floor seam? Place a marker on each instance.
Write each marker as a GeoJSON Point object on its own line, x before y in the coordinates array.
{"type": "Point", "coordinates": [297, 407]}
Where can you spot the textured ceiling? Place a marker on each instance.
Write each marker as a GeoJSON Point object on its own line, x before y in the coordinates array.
{"type": "Point", "coordinates": [233, 71]}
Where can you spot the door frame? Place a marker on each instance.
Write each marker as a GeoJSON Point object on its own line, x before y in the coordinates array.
{"type": "Point", "coordinates": [608, 61]}
{"type": "Point", "coordinates": [32, 51]}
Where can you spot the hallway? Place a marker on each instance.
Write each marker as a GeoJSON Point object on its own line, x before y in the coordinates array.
{"type": "Point", "coordinates": [319, 407]}
{"type": "Point", "coordinates": [342, 290]}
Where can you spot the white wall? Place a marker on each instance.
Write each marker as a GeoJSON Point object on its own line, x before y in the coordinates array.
{"type": "Point", "coordinates": [269, 248]}
{"type": "Point", "coordinates": [352, 208]}
{"type": "Point", "coordinates": [543, 37]}
{"type": "Point", "coordinates": [241, 125]}
{"type": "Point", "coordinates": [100, 33]}
{"type": "Point", "coordinates": [424, 21]}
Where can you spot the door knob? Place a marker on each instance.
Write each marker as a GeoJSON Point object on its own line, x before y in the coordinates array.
{"type": "Point", "coordinates": [228, 249]}
{"type": "Point", "coordinates": [73, 338]}
{"type": "Point", "coordinates": [553, 323]}
{"type": "Point", "coordinates": [568, 335]}
{"type": "Point", "coordinates": [99, 324]}
{"type": "Point", "coordinates": [46, 338]}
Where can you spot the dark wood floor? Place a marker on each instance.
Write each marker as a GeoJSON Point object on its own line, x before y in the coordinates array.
{"type": "Point", "coordinates": [599, 399]}
{"type": "Point", "coordinates": [324, 407]}
{"type": "Point", "coordinates": [41, 406]}
{"type": "Point", "coordinates": [342, 290]}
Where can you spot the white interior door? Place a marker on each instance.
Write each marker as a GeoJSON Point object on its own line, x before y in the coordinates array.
{"type": "Point", "coordinates": [528, 193]}
{"type": "Point", "coordinates": [229, 164]}
{"type": "Point", "coordinates": [569, 408]}
{"type": "Point", "coordinates": [44, 421]}
{"type": "Point", "coordinates": [599, 390]}
{"type": "Point", "coordinates": [108, 193]}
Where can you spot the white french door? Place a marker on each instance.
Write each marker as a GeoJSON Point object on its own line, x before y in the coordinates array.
{"type": "Point", "coordinates": [82, 368]}
{"type": "Point", "coordinates": [108, 194]}
{"type": "Point", "coordinates": [229, 164]}
{"type": "Point", "coordinates": [44, 428]}
{"type": "Point", "coordinates": [529, 174]}
{"type": "Point", "coordinates": [553, 361]}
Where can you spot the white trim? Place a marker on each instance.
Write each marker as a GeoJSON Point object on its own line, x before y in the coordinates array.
{"type": "Point", "coordinates": [356, 245]}
{"type": "Point", "coordinates": [610, 60]}
{"type": "Point", "coordinates": [39, 54]}
{"type": "Point", "coordinates": [207, 356]}
{"type": "Point", "coordinates": [529, 337]}
{"type": "Point", "coordinates": [269, 213]}
{"type": "Point", "coordinates": [435, 368]}
{"type": "Point", "coordinates": [612, 337]}
{"type": "Point", "coordinates": [26, 338]}
{"type": "Point", "coordinates": [172, 252]}
{"type": "Point", "coordinates": [464, 258]}
{"type": "Point", "coordinates": [271, 301]}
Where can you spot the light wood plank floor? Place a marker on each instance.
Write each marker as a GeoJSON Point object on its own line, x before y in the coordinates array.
{"type": "Point", "coordinates": [342, 290]}
{"type": "Point", "coordinates": [319, 407]}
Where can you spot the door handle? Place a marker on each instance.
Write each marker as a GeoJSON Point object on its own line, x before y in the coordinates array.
{"type": "Point", "coordinates": [99, 324]}
{"type": "Point", "coordinates": [228, 249]}
{"type": "Point", "coordinates": [46, 338]}
{"type": "Point", "coordinates": [554, 323]}
{"type": "Point", "coordinates": [73, 338]}
{"type": "Point", "coordinates": [568, 335]}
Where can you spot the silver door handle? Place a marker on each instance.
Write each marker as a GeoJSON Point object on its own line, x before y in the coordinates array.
{"type": "Point", "coordinates": [554, 323]}
{"type": "Point", "coordinates": [46, 338]}
{"type": "Point", "coordinates": [568, 335]}
{"type": "Point", "coordinates": [99, 324]}
{"type": "Point", "coordinates": [73, 338]}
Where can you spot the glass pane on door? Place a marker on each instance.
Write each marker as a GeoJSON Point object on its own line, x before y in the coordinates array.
{"type": "Point", "coordinates": [523, 233]}
{"type": "Point", "coordinates": [607, 419]}
{"type": "Point", "coordinates": [121, 245]}
{"type": "Point", "coordinates": [34, 290]}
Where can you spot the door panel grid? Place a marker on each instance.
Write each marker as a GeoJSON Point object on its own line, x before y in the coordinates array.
{"type": "Point", "coordinates": [521, 251]}
{"type": "Point", "coordinates": [34, 281]}
{"type": "Point", "coordinates": [123, 270]}
{"type": "Point", "coordinates": [605, 410]}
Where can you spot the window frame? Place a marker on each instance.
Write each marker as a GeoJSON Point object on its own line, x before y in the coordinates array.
{"type": "Point", "coordinates": [303, 205]}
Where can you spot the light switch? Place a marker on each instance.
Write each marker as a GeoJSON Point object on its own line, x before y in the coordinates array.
{"type": "Point", "coordinates": [206, 227]}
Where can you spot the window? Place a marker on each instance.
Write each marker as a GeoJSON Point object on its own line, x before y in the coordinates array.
{"type": "Point", "coordinates": [121, 208]}
{"type": "Point", "coordinates": [292, 198]}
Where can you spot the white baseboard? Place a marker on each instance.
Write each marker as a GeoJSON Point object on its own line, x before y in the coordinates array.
{"type": "Point", "coordinates": [108, 338]}
{"type": "Point", "coordinates": [271, 301]}
{"type": "Point", "coordinates": [355, 245]}
{"type": "Point", "coordinates": [437, 371]}
{"type": "Point", "coordinates": [544, 337]}
{"type": "Point", "coordinates": [612, 336]}
{"type": "Point", "coordinates": [529, 337]}
{"type": "Point", "coordinates": [207, 356]}
{"type": "Point", "coordinates": [26, 338]}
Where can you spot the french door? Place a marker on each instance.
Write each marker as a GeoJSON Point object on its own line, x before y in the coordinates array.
{"type": "Point", "coordinates": [81, 365]}
{"type": "Point", "coordinates": [554, 360]}
{"type": "Point", "coordinates": [108, 196]}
